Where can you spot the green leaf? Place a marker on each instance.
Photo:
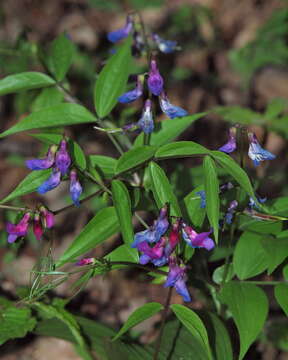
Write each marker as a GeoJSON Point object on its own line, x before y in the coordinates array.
{"type": "Point", "coordinates": [238, 114]}
{"type": "Point", "coordinates": [281, 295]}
{"type": "Point", "coordinates": [276, 250]}
{"type": "Point", "coordinates": [24, 81]}
{"type": "Point", "coordinates": [194, 324]}
{"type": "Point", "coordinates": [275, 108]}
{"type": "Point", "coordinates": [181, 149]}
{"type": "Point", "coordinates": [103, 225]}
{"type": "Point", "coordinates": [212, 194]}
{"type": "Point", "coordinates": [193, 206]}
{"type": "Point", "coordinates": [122, 204]}
{"type": "Point", "coordinates": [123, 253]}
{"type": "Point", "coordinates": [134, 157]}
{"type": "Point", "coordinates": [218, 337]}
{"type": "Point", "coordinates": [62, 52]}
{"type": "Point", "coordinates": [218, 273]}
{"type": "Point", "coordinates": [169, 130]}
{"type": "Point", "coordinates": [58, 115]}
{"type": "Point", "coordinates": [112, 79]}
{"type": "Point", "coordinates": [234, 170]}
{"type": "Point", "coordinates": [249, 307]}
{"type": "Point", "coordinates": [15, 323]}
{"type": "Point", "coordinates": [48, 97]}
{"type": "Point", "coordinates": [142, 313]}
{"type": "Point", "coordinates": [75, 150]}
{"type": "Point", "coordinates": [28, 185]}
{"type": "Point", "coordinates": [162, 190]}
{"type": "Point", "coordinates": [105, 165]}
{"type": "Point", "coordinates": [250, 258]}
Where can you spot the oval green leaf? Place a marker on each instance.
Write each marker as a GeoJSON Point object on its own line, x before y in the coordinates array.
{"type": "Point", "coordinates": [162, 190]}
{"type": "Point", "coordinates": [211, 185]}
{"type": "Point", "coordinates": [112, 79]}
{"type": "Point", "coordinates": [142, 313]}
{"type": "Point", "coordinates": [103, 225]}
{"type": "Point", "coordinates": [105, 165]}
{"type": "Point", "coordinates": [54, 116]}
{"type": "Point", "coordinates": [181, 149]}
{"type": "Point", "coordinates": [28, 185]}
{"type": "Point", "coordinates": [194, 324]}
{"type": "Point", "coordinates": [134, 157]}
{"type": "Point", "coordinates": [249, 307]}
{"type": "Point", "coordinates": [193, 206]}
{"type": "Point", "coordinates": [276, 250]}
{"type": "Point", "coordinates": [281, 295]}
{"type": "Point", "coordinates": [24, 81]}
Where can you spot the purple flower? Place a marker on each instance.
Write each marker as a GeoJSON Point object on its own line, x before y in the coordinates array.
{"type": "Point", "coordinates": [253, 204]}
{"type": "Point", "coordinates": [146, 123]}
{"type": "Point", "coordinates": [86, 261]}
{"type": "Point", "coordinates": [155, 232]}
{"type": "Point", "coordinates": [165, 46]}
{"type": "Point", "coordinates": [230, 211]}
{"type": "Point", "coordinates": [75, 188]}
{"type": "Point", "coordinates": [231, 145]}
{"type": "Point", "coordinates": [196, 240]}
{"type": "Point", "coordinates": [63, 160]}
{"type": "Point", "coordinates": [122, 33]}
{"type": "Point", "coordinates": [37, 227]}
{"type": "Point", "coordinates": [155, 80]}
{"type": "Point", "coordinates": [173, 239]}
{"type": "Point", "coordinates": [132, 95]}
{"type": "Point", "coordinates": [46, 163]}
{"type": "Point", "coordinates": [20, 229]}
{"type": "Point", "coordinates": [170, 110]}
{"type": "Point", "coordinates": [47, 217]}
{"type": "Point", "coordinates": [176, 278]}
{"type": "Point", "coordinates": [225, 187]}
{"type": "Point", "coordinates": [202, 195]}
{"type": "Point", "coordinates": [151, 253]}
{"type": "Point", "coordinates": [52, 182]}
{"type": "Point", "coordinates": [256, 152]}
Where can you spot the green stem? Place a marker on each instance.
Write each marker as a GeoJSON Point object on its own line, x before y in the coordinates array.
{"type": "Point", "coordinates": [14, 208]}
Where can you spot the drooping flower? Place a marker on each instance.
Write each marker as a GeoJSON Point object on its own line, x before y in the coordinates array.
{"type": "Point", "coordinates": [231, 145]}
{"type": "Point", "coordinates": [202, 195]}
{"type": "Point", "coordinates": [196, 240]}
{"type": "Point", "coordinates": [155, 232]}
{"type": "Point", "coordinates": [256, 152]}
{"type": "Point", "coordinates": [18, 230]}
{"type": "Point", "coordinates": [176, 278]}
{"type": "Point", "coordinates": [173, 239]}
{"type": "Point", "coordinates": [165, 46]}
{"type": "Point", "coordinates": [132, 95]}
{"type": "Point", "coordinates": [230, 211]}
{"type": "Point", "coordinates": [155, 81]}
{"type": "Point", "coordinates": [146, 123]}
{"type": "Point", "coordinates": [151, 253]}
{"type": "Point", "coordinates": [75, 188]}
{"type": "Point", "coordinates": [52, 182]}
{"type": "Point", "coordinates": [46, 163]}
{"type": "Point", "coordinates": [86, 261]}
{"type": "Point", "coordinates": [37, 226]}
{"type": "Point", "coordinates": [115, 36]}
{"type": "Point", "coordinates": [170, 110]}
{"type": "Point", "coordinates": [47, 217]}
{"type": "Point", "coordinates": [63, 160]}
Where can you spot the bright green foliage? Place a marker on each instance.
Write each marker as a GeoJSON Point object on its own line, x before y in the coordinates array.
{"type": "Point", "coordinates": [281, 294]}
{"type": "Point", "coordinates": [105, 165]}
{"type": "Point", "coordinates": [48, 97]}
{"type": "Point", "coordinates": [193, 206]}
{"type": "Point", "coordinates": [249, 307]}
{"type": "Point", "coordinates": [181, 149]}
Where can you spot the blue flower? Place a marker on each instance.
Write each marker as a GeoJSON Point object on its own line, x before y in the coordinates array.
{"type": "Point", "coordinates": [165, 46]}
{"type": "Point", "coordinates": [230, 211]}
{"type": "Point", "coordinates": [253, 204]}
{"type": "Point", "coordinates": [122, 33]}
{"type": "Point", "coordinates": [155, 81]}
{"type": "Point", "coordinates": [75, 188]}
{"type": "Point", "coordinates": [202, 195]}
{"type": "Point", "coordinates": [52, 182]}
{"type": "Point", "coordinates": [231, 145]}
{"type": "Point", "coordinates": [132, 95]}
{"type": "Point", "coordinates": [170, 110]}
{"type": "Point", "coordinates": [146, 123]}
{"type": "Point", "coordinates": [196, 240]}
{"type": "Point", "coordinates": [63, 160]}
{"type": "Point", "coordinates": [46, 163]}
{"type": "Point", "coordinates": [256, 152]}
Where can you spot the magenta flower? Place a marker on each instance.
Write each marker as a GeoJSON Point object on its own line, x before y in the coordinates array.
{"type": "Point", "coordinates": [231, 145]}
{"type": "Point", "coordinates": [122, 33]}
{"type": "Point", "coordinates": [170, 110]}
{"type": "Point", "coordinates": [75, 188]}
{"type": "Point", "coordinates": [146, 123]}
{"type": "Point", "coordinates": [176, 278]}
{"type": "Point", "coordinates": [37, 227]}
{"type": "Point", "coordinates": [151, 253]}
{"type": "Point", "coordinates": [195, 240]}
{"type": "Point", "coordinates": [63, 160]}
{"type": "Point", "coordinates": [52, 182]}
{"type": "Point", "coordinates": [132, 95]}
{"type": "Point", "coordinates": [46, 163]}
{"type": "Point", "coordinates": [86, 261]}
{"type": "Point", "coordinates": [155, 80]}
{"type": "Point", "coordinates": [18, 230]}
{"type": "Point", "coordinates": [256, 152]}
{"type": "Point", "coordinates": [47, 217]}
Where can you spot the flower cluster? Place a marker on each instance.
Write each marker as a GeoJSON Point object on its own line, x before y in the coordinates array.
{"type": "Point", "coordinates": [255, 151]}
{"type": "Point", "coordinates": [59, 160]}
{"type": "Point", "coordinates": [158, 243]}
{"type": "Point", "coordinates": [42, 219]}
